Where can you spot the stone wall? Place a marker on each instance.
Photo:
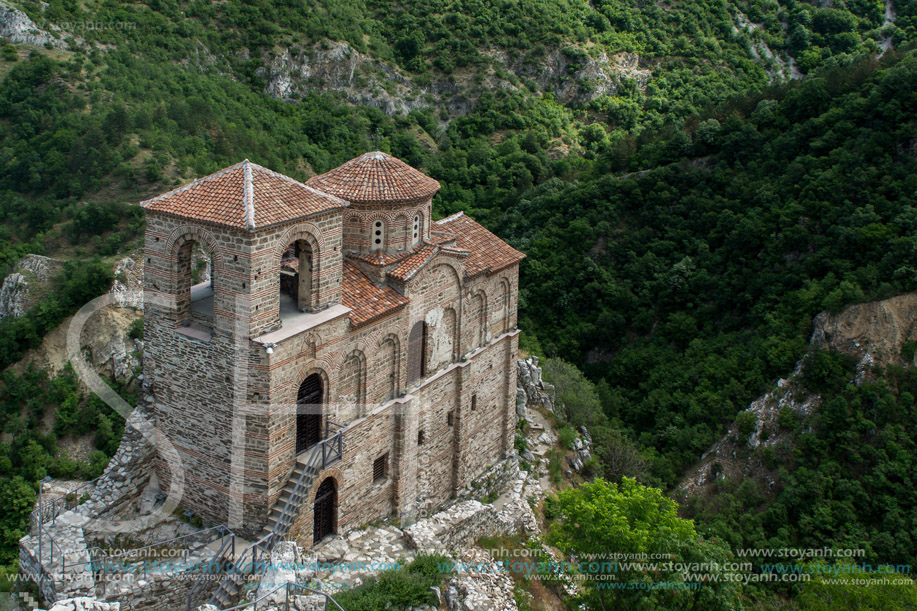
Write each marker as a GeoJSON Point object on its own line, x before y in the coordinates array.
{"type": "Point", "coordinates": [398, 222]}
{"type": "Point", "coordinates": [85, 604]}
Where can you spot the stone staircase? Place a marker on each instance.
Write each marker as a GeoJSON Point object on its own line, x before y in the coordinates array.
{"type": "Point", "coordinates": [291, 497]}
{"type": "Point", "coordinates": [308, 466]}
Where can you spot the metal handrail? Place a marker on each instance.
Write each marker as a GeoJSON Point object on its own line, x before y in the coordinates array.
{"type": "Point", "coordinates": [222, 529]}
{"type": "Point", "coordinates": [37, 516]}
{"type": "Point", "coordinates": [328, 597]}
{"type": "Point", "coordinates": [253, 604]}
{"type": "Point", "coordinates": [326, 450]}
{"type": "Point", "coordinates": [63, 556]}
{"type": "Point", "coordinates": [322, 448]}
{"type": "Point", "coordinates": [194, 593]}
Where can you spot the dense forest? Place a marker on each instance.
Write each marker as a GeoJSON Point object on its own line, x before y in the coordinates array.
{"type": "Point", "coordinates": [681, 230]}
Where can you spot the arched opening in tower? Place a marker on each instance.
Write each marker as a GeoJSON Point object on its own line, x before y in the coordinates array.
{"type": "Point", "coordinates": [195, 284]}
{"type": "Point", "coordinates": [296, 285]}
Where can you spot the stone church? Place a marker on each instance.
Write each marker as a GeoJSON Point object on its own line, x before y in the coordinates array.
{"type": "Point", "coordinates": [335, 356]}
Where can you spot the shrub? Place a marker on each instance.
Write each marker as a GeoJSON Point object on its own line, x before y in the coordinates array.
{"type": "Point", "coordinates": [409, 587]}
{"type": "Point", "coordinates": [745, 423]}
{"type": "Point", "coordinates": [136, 329]}
{"type": "Point", "coordinates": [566, 435]}
{"type": "Point", "coordinates": [908, 351]}
{"type": "Point", "coordinates": [786, 418]}
{"type": "Point", "coordinates": [826, 372]}
{"type": "Point", "coordinates": [556, 466]}
{"type": "Point", "coordinates": [520, 443]}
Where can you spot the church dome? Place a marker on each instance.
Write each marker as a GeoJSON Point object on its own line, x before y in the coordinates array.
{"type": "Point", "coordinates": [376, 178]}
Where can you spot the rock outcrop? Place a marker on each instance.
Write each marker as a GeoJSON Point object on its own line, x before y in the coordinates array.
{"type": "Point", "coordinates": [18, 28]}
{"type": "Point", "coordinates": [873, 333]}
{"type": "Point", "coordinates": [571, 75]}
{"type": "Point", "coordinates": [336, 66]}
{"type": "Point", "coordinates": [531, 390]}
{"type": "Point", "coordinates": [489, 587]}
{"type": "Point", "coordinates": [84, 604]}
{"type": "Point", "coordinates": [127, 288]}
{"type": "Point", "coordinates": [24, 286]}
{"type": "Point", "coordinates": [582, 450]}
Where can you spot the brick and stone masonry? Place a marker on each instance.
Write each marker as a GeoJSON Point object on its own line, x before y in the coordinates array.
{"type": "Point", "coordinates": [409, 326]}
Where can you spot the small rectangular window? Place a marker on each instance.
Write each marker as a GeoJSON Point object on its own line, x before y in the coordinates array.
{"type": "Point", "coordinates": [450, 417]}
{"type": "Point", "coordinates": [380, 468]}
{"type": "Point", "coordinates": [420, 438]}
{"type": "Point", "coordinates": [474, 402]}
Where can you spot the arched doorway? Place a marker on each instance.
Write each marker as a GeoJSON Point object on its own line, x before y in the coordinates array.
{"type": "Point", "coordinates": [309, 413]}
{"type": "Point", "coordinates": [324, 510]}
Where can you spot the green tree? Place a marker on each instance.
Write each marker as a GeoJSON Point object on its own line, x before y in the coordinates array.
{"type": "Point", "coordinates": [601, 519]}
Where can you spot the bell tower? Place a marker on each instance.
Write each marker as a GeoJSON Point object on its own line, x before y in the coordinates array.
{"type": "Point", "coordinates": [213, 253]}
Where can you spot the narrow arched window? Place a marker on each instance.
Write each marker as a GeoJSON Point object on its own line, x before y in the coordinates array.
{"type": "Point", "coordinates": [415, 231]}
{"type": "Point", "coordinates": [378, 236]}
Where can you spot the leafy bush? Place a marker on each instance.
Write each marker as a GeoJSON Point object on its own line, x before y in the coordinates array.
{"type": "Point", "coordinates": [745, 424]}
{"type": "Point", "coordinates": [826, 371]}
{"type": "Point", "coordinates": [399, 589]}
{"type": "Point", "coordinates": [786, 419]}
{"type": "Point", "coordinates": [136, 329]}
{"type": "Point", "coordinates": [908, 350]}
{"type": "Point", "coordinates": [520, 442]}
{"type": "Point", "coordinates": [566, 435]}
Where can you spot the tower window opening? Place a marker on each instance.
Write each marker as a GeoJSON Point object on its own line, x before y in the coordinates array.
{"type": "Point", "coordinates": [296, 277]}
{"type": "Point", "coordinates": [379, 233]}
{"type": "Point", "coordinates": [416, 237]}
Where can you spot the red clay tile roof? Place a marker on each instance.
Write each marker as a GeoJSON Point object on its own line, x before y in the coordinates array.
{"type": "Point", "coordinates": [409, 266]}
{"type": "Point", "coordinates": [367, 300]}
{"type": "Point", "coordinates": [376, 178]}
{"type": "Point", "coordinates": [378, 258]}
{"type": "Point", "coordinates": [440, 237]}
{"type": "Point", "coordinates": [489, 253]}
{"type": "Point", "coordinates": [245, 196]}
{"type": "Point", "coordinates": [420, 257]}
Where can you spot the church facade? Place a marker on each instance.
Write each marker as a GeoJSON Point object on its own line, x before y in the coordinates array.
{"type": "Point", "coordinates": [347, 358]}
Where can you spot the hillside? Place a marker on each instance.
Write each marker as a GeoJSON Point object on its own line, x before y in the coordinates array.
{"type": "Point", "coordinates": [825, 457]}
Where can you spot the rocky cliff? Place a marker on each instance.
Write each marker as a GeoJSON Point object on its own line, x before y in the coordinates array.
{"type": "Point", "coordinates": [16, 27]}
{"type": "Point", "coordinates": [873, 333]}
{"type": "Point", "coordinates": [24, 287]}
{"type": "Point", "coordinates": [571, 75]}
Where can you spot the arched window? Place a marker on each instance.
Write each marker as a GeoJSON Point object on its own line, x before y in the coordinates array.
{"type": "Point", "coordinates": [477, 316]}
{"type": "Point", "coordinates": [416, 352]}
{"type": "Point", "coordinates": [352, 387]}
{"type": "Point", "coordinates": [378, 236]}
{"type": "Point", "coordinates": [415, 231]}
{"type": "Point", "coordinates": [296, 277]}
{"type": "Point", "coordinates": [442, 349]}
{"type": "Point", "coordinates": [194, 287]}
{"type": "Point", "coordinates": [389, 357]}
{"type": "Point", "coordinates": [504, 287]}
